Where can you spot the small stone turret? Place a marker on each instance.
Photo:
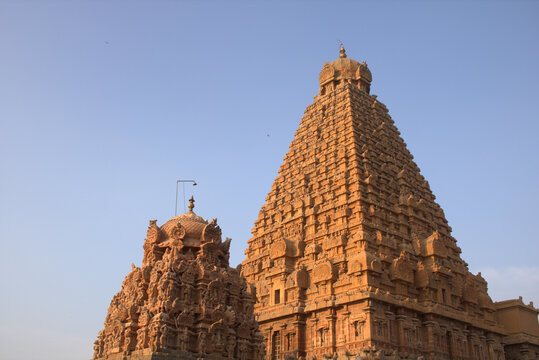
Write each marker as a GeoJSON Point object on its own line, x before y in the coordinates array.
{"type": "Point", "coordinates": [185, 302]}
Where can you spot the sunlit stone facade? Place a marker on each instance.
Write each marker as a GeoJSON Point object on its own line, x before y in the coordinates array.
{"type": "Point", "coordinates": [351, 256]}
{"type": "Point", "coordinates": [184, 303]}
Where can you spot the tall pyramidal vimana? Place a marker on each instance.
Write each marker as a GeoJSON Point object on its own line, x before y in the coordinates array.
{"type": "Point", "coordinates": [351, 256]}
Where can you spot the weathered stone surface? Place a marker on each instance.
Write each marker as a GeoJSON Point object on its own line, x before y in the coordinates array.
{"type": "Point", "coordinates": [381, 275]}
{"type": "Point", "coordinates": [520, 322]}
{"type": "Point", "coordinates": [185, 302]}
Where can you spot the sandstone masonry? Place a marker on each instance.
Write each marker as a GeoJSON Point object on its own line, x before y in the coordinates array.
{"type": "Point", "coordinates": [351, 256]}
{"type": "Point", "coordinates": [185, 302]}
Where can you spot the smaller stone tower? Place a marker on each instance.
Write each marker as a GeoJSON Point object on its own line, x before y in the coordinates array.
{"type": "Point", "coordinates": [185, 302]}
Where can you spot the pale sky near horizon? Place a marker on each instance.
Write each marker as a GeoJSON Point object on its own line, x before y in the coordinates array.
{"type": "Point", "coordinates": [105, 104]}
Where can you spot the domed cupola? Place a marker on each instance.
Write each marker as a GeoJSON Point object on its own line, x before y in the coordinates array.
{"type": "Point", "coordinates": [187, 232]}
{"type": "Point", "coordinates": [343, 71]}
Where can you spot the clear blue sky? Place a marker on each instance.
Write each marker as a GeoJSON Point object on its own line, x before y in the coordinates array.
{"type": "Point", "coordinates": [104, 104]}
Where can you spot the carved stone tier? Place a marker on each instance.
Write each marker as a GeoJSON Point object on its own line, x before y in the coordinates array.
{"type": "Point", "coordinates": [185, 302]}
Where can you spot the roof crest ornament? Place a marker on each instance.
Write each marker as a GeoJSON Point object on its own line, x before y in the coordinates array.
{"type": "Point", "coordinates": [191, 205]}
{"type": "Point", "coordinates": [342, 53]}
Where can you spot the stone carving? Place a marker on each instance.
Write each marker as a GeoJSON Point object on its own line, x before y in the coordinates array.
{"type": "Point", "coordinates": [212, 232]}
{"type": "Point", "coordinates": [403, 268]}
{"type": "Point", "coordinates": [323, 272]}
{"type": "Point", "coordinates": [380, 271]}
{"type": "Point", "coordinates": [178, 232]}
{"type": "Point", "coordinates": [278, 249]}
{"type": "Point", "coordinates": [178, 304]}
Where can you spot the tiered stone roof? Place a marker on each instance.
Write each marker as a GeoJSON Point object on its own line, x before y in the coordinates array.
{"type": "Point", "coordinates": [351, 250]}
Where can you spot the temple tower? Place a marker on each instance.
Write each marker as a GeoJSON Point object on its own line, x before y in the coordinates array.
{"type": "Point", "coordinates": [351, 254]}
{"type": "Point", "coordinates": [184, 303]}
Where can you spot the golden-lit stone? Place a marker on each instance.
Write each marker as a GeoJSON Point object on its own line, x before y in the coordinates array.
{"type": "Point", "coordinates": [351, 256]}
{"type": "Point", "coordinates": [185, 302]}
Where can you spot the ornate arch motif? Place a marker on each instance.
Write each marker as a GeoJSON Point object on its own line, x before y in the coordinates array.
{"type": "Point", "coordinates": [211, 232]}
{"type": "Point", "coordinates": [323, 272]}
{"type": "Point", "coordinates": [178, 232]}
{"type": "Point", "coordinates": [152, 235]}
{"type": "Point", "coordinates": [278, 249]}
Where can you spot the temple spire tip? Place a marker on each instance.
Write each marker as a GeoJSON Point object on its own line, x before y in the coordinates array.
{"type": "Point", "coordinates": [191, 205]}
{"type": "Point", "coordinates": [342, 53]}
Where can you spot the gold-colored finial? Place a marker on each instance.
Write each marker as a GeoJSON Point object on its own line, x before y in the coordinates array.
{"type": "Point", "coordinates": [342, 52]}
{"type": "Point", "coordinates": [191, 205]}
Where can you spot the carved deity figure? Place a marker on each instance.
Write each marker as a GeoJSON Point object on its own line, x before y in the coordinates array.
{"type": "Point", "coordinates": [202, 342]}
{"type": "Point", "coordinates": [183, 340]}
{"type": "Point", "coordinates": [231, 346]}
{"type": "Point", "coordinates": [98, 346]}
{"type": "Point", "coordinates": [116, 337]}
{"type": "Point", "coordinates": [163, 338]}
{"type": "Point", "coordinates": [154, 335]}
{"type": "Point", "coordinates": [129, 343]}
{"type": "Point", "coordinates": [259, 350]}
{"type": "Point", "coordinates": [243, 351]}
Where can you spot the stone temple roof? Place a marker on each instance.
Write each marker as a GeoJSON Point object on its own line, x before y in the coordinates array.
{"type": "Point", "coordinates": [344, 69]}
{"type": "Point", "coordinates": [188, 227]}
{"type": "Point", "coordinates": [184, 302]}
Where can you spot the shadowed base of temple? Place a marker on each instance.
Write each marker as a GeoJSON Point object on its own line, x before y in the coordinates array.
{"type": "Point", "coordinates": [165, 354]}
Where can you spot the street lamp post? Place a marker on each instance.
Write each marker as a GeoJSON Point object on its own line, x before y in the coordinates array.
{"type": "Point", "coordinates": [177, 183]}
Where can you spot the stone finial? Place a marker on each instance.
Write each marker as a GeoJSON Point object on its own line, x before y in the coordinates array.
{"type": "Point", "coordinates": [191, 205]}
{"type": "Point", "coordinates": [342, 53]}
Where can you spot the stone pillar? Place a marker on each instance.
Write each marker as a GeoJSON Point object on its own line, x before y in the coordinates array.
{"type": "Point", "coordinates": [269, 349]}
{"type": "Point", "coordinates": [430, 346]}
{"type": "Point", "coordinates": [524, 352]}
{"type": "Point", "coordinates": [346, 326]}
{"type": "Point", "coordinates": [283, 341]}
{"type": "Point", "coordinates": [369, 328]}
{"type": "Point", "coordinates": [451, 344]}
{"type": "Point", "coordinates": [465, 354]}
{"type": "Point", "coordinates": [483, 346]}
{"type": "Point", "coordinates": [332, 336]}
{"type": "Point", "coordinates": [490, 345]}
{"type": "Point", "coordinates": [314, 333]}
{"type": "Point", "coordinates": [470, 348]}
{"type": "Point", "coordinates": [400, 327]}
{"type": "Point", "coordinates": [300, 338]}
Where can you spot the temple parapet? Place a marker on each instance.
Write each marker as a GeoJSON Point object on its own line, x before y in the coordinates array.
{"type": "Point", "coordinates": [520, 321]}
